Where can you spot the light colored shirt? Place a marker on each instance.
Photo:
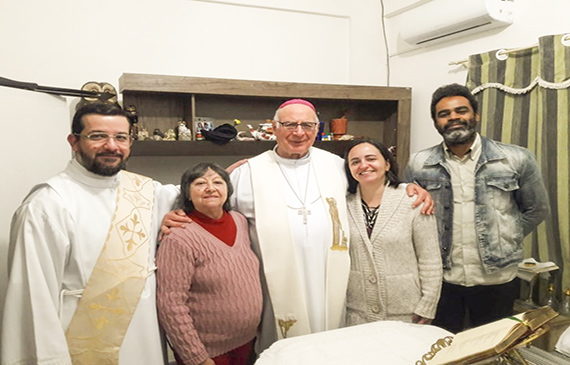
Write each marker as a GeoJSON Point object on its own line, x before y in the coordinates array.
{"type": "Point", "coordinates": [467, 268]}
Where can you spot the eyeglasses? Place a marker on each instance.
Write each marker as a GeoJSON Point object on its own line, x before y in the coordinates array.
{"type": "Point", "coordinates": [291, 126]}
{"type": "Point", "coordinates": [120, 138]}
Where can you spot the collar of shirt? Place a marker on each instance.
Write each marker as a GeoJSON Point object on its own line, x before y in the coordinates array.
{"type": "Point", "coordinates": [88, 178]}
{"type": "Point", "coordinates": [292, 161]}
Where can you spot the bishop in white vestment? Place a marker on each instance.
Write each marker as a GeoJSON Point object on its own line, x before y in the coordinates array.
{"type": "Point", "coordinates": [286, 194]}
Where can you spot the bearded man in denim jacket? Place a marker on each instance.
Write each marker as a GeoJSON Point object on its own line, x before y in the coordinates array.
{"type": "Point", "coordinates": [489, 196]}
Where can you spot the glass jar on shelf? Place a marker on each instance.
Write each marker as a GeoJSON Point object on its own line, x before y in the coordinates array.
{"type": "Point", "coordinates": [550, 298]}
{"type": "Point", "coordinates": [565, 306]}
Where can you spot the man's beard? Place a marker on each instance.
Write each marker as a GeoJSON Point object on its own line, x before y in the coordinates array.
{"type": "Point", "coordinates": [96, 167]}
{"type": "Point", "coordinates": [458, 136]}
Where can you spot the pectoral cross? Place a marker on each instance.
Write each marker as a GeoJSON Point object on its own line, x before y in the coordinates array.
{"type": "Point", "coordinates": [304, 212]}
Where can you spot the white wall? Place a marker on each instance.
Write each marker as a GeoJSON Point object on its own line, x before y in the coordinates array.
{"type": "Point", "coordinates": [28, 152]}
{"type": "Point", "coordinates": [68, 43]}
{"type": "Point", "coordinates": [426, 69]}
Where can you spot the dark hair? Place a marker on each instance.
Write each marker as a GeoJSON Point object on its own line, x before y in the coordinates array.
{"type": "Point", "coordinates": [391, 175]}
{"type": "Point", "coordinates": [94, 108]}
{"type": "Point", "coordinates": [452, 90]}
{"type": "Point", "coordinates": [183, 201]}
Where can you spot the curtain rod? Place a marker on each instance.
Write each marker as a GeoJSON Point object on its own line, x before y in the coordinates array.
{"type": "Point", "coordinates": [502, 53]}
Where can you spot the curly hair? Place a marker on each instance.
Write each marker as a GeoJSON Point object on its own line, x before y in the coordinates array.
{"type": "Point", "coordinates": [452, 90]}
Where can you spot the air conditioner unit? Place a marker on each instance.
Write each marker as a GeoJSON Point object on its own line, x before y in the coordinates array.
{"type": "Point", "coordinates": [442, 20]}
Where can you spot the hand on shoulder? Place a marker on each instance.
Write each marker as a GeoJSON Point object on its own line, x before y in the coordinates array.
{"type": "Point", "coordinates": [174, 218]}
{"type": "Point", "coordinates": [424, 197]}
{"type": "Point", "coordinates": [235, 165]}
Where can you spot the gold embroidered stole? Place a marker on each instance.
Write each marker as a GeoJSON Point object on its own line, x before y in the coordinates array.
{"type": "Point", "coordinates": [112, 293]}
{"type": "Point", "coordinates": [278, 252]}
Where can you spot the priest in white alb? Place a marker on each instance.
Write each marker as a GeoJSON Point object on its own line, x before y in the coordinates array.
{"type": "Point", "coordinates": [81, 286]}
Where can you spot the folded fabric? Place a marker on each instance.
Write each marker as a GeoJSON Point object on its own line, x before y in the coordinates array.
{"type": "Point", "coordinates": [221, 134]}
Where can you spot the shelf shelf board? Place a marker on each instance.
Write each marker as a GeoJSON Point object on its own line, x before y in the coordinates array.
{"type": "Point", "coordinates": [131, 82]}
{"type": "Point", "coordinates": [207, 148]}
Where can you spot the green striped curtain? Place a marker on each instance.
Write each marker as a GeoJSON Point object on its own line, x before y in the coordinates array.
{"type": "Point", "coordinates": [524, 99]}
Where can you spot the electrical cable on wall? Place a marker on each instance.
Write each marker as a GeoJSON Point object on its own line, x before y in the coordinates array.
{"type": "Point", "coordinates": [385, 44]}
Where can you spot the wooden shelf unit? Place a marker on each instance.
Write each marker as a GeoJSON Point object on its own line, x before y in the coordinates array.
{"type": "Point", "coordinates": [382, 113]}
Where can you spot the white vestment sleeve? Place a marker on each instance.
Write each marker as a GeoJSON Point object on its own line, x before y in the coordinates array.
{"type": "Point", "coordinates": [242, 198]}
{"type": "Point", "coordinates": [32, 332]}
{"type": "Point", "coordinates": [165, 197]}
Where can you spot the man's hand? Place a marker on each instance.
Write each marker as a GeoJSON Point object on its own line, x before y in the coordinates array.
{"type": "Point", "coordinates": [235, 165]}
{"type": "Point", "coordinates": [420, 320]}
{"type": "Point", "coordinates": [423, 197]}
{"type": "Point", "coordinates": [174, 218]}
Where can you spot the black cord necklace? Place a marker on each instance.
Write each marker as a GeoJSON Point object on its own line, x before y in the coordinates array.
{"type": "Point", "coordinates": [370, 215]}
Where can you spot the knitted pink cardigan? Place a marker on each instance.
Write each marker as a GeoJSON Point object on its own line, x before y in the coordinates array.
{"type": "Point", "coordinates": [208, 293]}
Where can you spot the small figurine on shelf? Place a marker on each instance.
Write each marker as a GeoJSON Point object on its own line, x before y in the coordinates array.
{"type": "Point", "coordinates": [243, 137]}
{"type": "Point", "coordinates": [143, 135]}
{"type": "Point", "coordinates": [157, 135]}
{"type": "Point", "coordinates": [169, 135]}
{"type": "Point", "coordinates": [199, 136]}
{"type": "Point", "coordinates": [264, 132]}
{"type": "Point", "coordinates": [134, 120]}
{"type": "Point", "coordinates": [184, 134]}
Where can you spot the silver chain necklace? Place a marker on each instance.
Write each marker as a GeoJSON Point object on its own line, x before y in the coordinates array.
{"type": "Point", "coordinates": [303, 209]}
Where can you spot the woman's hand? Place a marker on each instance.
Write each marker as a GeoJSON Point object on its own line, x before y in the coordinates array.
{"type": "Point", "coordinates": [423, 197]}
{"type": "Point", "coordinates": [420, 320]}
{"type": "Point", "coordinates": [174, 218]}
{"type": "Point", "coordinates": [235, 165]}
{"type": "Point", "coordinates": [208, 362]}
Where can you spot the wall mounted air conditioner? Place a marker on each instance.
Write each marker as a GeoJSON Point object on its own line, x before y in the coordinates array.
{"type": "Point", "coordinates": [441, 20]}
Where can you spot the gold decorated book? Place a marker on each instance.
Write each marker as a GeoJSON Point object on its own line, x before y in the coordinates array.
{"type": "Point", "coordinates": [496, 338]}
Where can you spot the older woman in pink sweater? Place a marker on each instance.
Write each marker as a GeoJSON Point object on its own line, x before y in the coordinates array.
{"type": "Point", "coordinates": [209, 293]}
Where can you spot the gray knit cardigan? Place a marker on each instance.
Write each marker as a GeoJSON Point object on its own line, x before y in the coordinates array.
{"type": "Point", "coordinates": [397, 271]}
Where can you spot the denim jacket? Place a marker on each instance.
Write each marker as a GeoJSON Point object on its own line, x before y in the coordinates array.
{"type": "Point", "coordinates": [510, 199]}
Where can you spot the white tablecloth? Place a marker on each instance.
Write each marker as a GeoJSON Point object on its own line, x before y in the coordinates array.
{"type": "Point", "coordinates": [563, 344]}
{"type": "Point", "coordinates": [385, 342]}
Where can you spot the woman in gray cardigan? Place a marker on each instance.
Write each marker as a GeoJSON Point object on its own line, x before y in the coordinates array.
{"type": "Point", "coordinates": [396, 269]}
